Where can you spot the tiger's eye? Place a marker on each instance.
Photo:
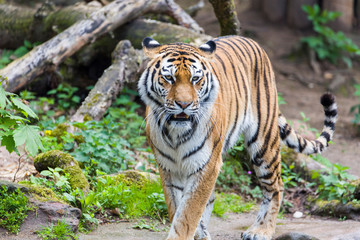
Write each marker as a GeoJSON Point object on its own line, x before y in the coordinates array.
{"type": "Point", "coordinates": [168, 77]}
{"type": "Point", "coordinates": [194, 79]}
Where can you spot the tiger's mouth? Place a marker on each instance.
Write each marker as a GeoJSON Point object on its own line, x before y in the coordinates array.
{"type": "Point", "coordinates": [180, 117]}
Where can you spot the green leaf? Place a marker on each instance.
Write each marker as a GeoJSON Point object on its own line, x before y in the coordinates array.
{"type": "Point", "coordinates": [3, 98]}
{"type": "Point", "coordinates": [30, 136]}
{"type": "Point", "coordinates": [8, 142]}
{"type": "Point", "coordinates": [25, 109]}
{"type": "Point", "coordinates": [27, 44]}
{"type": "Point", "coordinates": [46, 173]}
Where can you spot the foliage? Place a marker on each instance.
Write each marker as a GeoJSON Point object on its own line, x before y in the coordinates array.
{"type": "Point", "coordinates": [55, 181]}
{"type": "Point", "coordinates": [59, 231]}
{"type": "Point", "coordinates": [65, 96]}
{"type": "Point", "coordinates": [13, 209]}
{"type": "Point", "coordinates": [130, 199]}
{"type": "Point", "coordinates": [7, 56]}
{"type": "Point", "coordinates": [225, 202]}
{"type": "Point", "coordinates": [289, 177]}
{"type": "Point", "coordinates": [107, 145]}
{"type": "Point", "coordinates": [236, 175]}
{"type": "Point", "coordinates": [15, 116]}
{"type": "Point", "coordinates": [281, 99]}
{"type": "Point", "coordinates": [335, 183]}
{"type": "Point", "coordinates": [356, 108]}
{"type": "Point", "coordinates": [327, 44]}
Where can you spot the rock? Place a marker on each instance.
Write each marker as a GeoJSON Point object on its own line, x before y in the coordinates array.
{"type": "Point", "coordinates": [13, 186]}
{"type": "Point", "coordinates": [56, 211]}
{"type": "Point", "coordinates": [298, 214]}
{"type": "Point", "coordinates": [65, 161]}
{"type": "Point", "coordinates": [44, 212]}
{"type": "Point", "coordinates": [335, 208]}
{"type": "Point", "coordinates": [295, 236]}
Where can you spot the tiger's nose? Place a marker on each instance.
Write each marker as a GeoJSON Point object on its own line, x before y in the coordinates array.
{"type": "Point", "coordinates": [183, 105]}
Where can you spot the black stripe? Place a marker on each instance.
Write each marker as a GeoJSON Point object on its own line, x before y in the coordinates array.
{"type": "Point", "coordinates": [285, 131]}
{"type": "Point", "coordinates": [199, 147]}
{"type": "Point", "coordinates": [270, 174]}
{"type": "Point", "coordinates": [164, 154]}
{"type": "Point", "coordinates": [257, 161]}
{"type": "Point", "coordinates": [330, 124]}
{"type": "Point", "coordinates": [302, 146]}
{"type": "Point", "coordinates": [326, 136]}
{"type": "Point", "coordinates": [147, 92]}
{"type": "Point", "coordinates": [290, 145]}
{"type": "Point", "coordinates": [174, 186]}
{"type": "Point", "coordinates": [331, 113]}
{"type": "Point", "coordinates": [203, 166]}
{"type": "Point", "coordinates": [274, 159]}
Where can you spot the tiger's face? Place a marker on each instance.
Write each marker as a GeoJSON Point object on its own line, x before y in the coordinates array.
{"type": "Point", "coordinates": [178, 85]}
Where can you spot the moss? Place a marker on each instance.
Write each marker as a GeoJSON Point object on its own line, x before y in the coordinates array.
{"type": "Point", "coordinates": [79, 139]}
{"type": "Point", "coordinates": [131, 177]}
{"type": "Point", "coordinates": [94, 98]}
{"type": "Point", "coordinates": [87, 118]}
{"type": "Point", "coordinates": [65, 161]}
{"type": "Point", "coordinates": [59, 131]}
{"type": "Point", "coordinates": [41, 193]}
{"type": "Point", "coordinates": [288, 155]}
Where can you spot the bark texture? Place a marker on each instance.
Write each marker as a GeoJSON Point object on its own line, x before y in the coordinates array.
{"type": "Point", "coordinates": [227, 16]}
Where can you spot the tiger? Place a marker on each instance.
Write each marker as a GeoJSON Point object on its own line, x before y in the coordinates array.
{"type": "Point", "coordinates": [199, 101]}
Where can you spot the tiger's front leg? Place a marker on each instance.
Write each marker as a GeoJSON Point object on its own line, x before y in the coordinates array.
{"type": "Point", "coordinates": [267, 165]}
{"type": "Point", "coordinates": [187, 197]}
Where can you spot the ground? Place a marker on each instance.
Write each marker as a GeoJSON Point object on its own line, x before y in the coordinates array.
{"type": "Point", "coordinates": [301, 88]}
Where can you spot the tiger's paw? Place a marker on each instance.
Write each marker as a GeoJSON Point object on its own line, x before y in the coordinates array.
{"type": "Point", "coordinates": [256, 235]}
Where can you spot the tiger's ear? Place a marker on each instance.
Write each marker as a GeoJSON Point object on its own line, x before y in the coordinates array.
{"type": "Point", "coordinates": [208, 48]}
{"type": "Point", "coordinates": [151, 47]}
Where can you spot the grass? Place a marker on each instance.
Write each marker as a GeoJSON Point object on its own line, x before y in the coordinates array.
{"type": "Point", "coordinates": [13, 209]}
{"type": "Point", "coordinates": [230, 203]}
{"type": "Point", "coordinates": [59, 231]}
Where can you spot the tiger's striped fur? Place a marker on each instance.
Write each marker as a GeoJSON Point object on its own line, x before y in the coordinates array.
{"type": "Point", "coordinates": [199, 101]}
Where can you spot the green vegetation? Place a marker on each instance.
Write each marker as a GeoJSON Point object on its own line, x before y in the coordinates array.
{"type": "Point", "coordinates": [130, 199]}
{"type": "Point", "coordinates": [335, 183]}
{"type": "Point", "coordinates": [7, 56]}
{"type": "Point", "coordinates": [13, 209]}
{"type": "Point", "coordinates": [236, 174]}
{"type": "Point", "coordinates": [58, 183]}
{"type": "Point", "coordinates": [59, 231]}
{"type": "Point", "coordinates": [225, 203]}
{"type": "Point", "coordinates": [327, 44]}
{"type": "Point", "coordinates": [356, 108]}
{"type": "Point", "coordinates": [15, 119]}
{"type": "Point", "coordinates": [65, 96]}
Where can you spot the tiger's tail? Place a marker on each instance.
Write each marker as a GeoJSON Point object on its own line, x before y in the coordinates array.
{"type": "Point", "coordinates": [306, 146]}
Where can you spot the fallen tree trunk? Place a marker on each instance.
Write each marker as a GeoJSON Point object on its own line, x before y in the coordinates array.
{"type": "Point", "coordinates": [49, 55]}
{"type": "Point", "coordinates": [37, 25]}
{"type": "Point", "coordinates": [125, 66]}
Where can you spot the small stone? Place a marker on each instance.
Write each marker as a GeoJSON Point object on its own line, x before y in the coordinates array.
{"type": "Point", "coordinates": [298, 214]}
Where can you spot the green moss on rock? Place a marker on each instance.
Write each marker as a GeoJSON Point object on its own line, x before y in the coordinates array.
{"type": "Point", "coordinates": [131, 177]}
{"type": "Point", "coordinates": [41, 193]}
{"type": "Point", "coordinates": [65, 161]}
